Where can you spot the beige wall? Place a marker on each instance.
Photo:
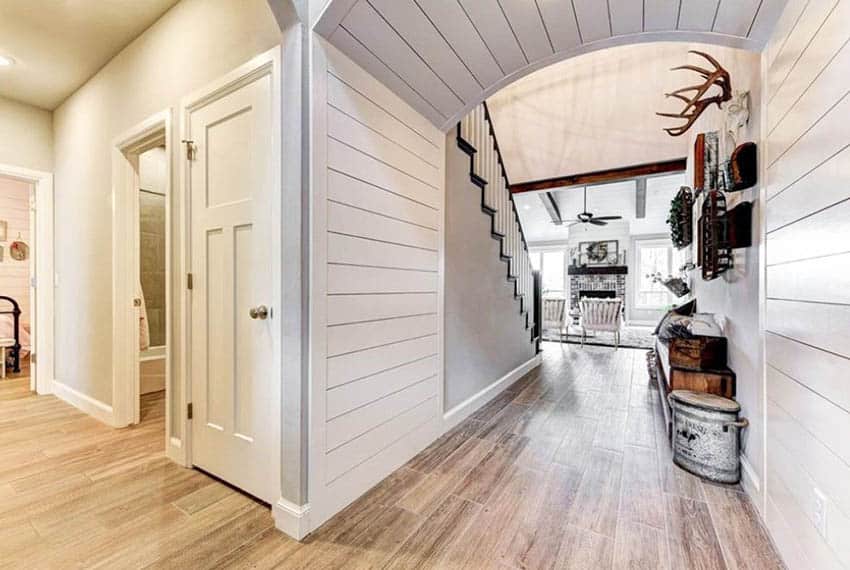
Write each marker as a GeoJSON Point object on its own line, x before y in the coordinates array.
{"type": "Point", "coordinates": [734, 296]}
{"type": "Point", "coordinates": [26, 136]}
{"type": "Point", "coordinates": [485, 334]}
{"type": "Point", "coordinates": [807, 315]}
{"type": "Point", "coordinates": [194, 43]}
{"type": "Point", "coordinates": [15, 275]}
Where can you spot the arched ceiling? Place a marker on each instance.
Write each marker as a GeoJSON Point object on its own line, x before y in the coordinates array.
{"type": "Point", "coordinates": [445, 56]}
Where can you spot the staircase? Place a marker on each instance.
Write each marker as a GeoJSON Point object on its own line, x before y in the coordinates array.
{"type": "Point", "coordinates": [475, 136]}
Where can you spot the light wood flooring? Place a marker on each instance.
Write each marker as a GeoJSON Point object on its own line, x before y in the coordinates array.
{"type": "Point", "coordinates": [568, 468]}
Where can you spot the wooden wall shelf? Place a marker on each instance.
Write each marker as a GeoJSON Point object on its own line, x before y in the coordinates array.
{"type": "Point", "coordinates": [598, 270]}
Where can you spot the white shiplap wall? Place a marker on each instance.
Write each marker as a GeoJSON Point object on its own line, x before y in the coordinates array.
{"type": "Point", "coordinates": [377, 319]}
{"type": "Point", "coordinates": [807, 317]}
{"type": "Point", "coordinates": [15, 275]}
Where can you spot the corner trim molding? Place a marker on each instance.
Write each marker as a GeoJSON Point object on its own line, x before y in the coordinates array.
{"type": "Point", "coordinates": [750, 481]}
{"type": "Point", "coordinates": [466, 408]}
{"type": "Point", "coordinates": [291, 519]}
{"type": "Point", "coordinates": [87, 404]}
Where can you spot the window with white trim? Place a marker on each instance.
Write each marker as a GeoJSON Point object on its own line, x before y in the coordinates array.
{"type": "Point", "coordinates": [652, 256]}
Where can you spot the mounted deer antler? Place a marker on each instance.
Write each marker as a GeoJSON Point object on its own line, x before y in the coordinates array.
{"type": "Point", "coordinates": [694, 106]}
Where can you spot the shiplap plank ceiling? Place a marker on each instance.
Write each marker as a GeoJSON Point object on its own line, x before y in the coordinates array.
{"type": "Point", "coordinates": [444, 57]}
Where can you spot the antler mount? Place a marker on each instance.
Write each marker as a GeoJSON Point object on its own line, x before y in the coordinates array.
{"type": "Point", "coordinates": [699, 102]}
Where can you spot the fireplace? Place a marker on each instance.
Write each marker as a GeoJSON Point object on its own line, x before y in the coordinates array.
{"type": "Point", "coordinates": [590, 293]}
{"type": "Point", "coordinates": [599, 282]}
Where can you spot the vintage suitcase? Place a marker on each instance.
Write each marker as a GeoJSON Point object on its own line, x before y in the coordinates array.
{"type": "Point", "coordinates": [720, 382]}
{"type": "Point", "coordinates": [698, 353]}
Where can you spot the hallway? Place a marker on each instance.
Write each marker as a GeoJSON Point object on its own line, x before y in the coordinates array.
{"type": "Point", "coordinates": [566, 469]}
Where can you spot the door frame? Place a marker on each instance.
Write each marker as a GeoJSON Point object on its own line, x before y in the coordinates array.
{"type": "Point", "coordinates": [41, 331]}
{"type": "Point", "coordinates": [263, 64]}
{"type": "Point", "coordinates": [126, 148]}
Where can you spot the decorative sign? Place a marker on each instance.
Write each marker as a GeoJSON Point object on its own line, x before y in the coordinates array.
{"type": "Point", "coordinates": [19, 251]}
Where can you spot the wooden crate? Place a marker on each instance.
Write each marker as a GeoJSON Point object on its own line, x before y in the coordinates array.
{"type": "Point", "coordinates": [720, 382]}
{"type": "Point", "coordinates": [699, 353]}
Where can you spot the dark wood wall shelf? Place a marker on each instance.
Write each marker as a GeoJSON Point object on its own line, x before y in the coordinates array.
{"type": "Point", "coordinates": [597, 270]}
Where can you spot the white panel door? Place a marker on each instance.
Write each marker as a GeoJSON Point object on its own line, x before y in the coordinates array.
{"type": "Point", "coordinates": [232, 362]}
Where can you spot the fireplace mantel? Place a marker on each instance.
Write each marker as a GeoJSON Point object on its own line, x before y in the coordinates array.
{"type": "Point", "coordinates": [597, 270]}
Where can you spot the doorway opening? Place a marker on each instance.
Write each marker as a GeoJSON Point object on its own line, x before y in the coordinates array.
{"type": "Point", "coordinates": [141, 277]}
{"type": "Point", "coordinates": [26, 297]}
{"type": "Point", "coordinates": [17, 296]}
{"type": "Point", "coordinates": [152, 237]}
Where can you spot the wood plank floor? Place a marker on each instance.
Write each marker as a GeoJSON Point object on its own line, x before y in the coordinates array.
{"type": "Point", "coordinates": [568, 468]}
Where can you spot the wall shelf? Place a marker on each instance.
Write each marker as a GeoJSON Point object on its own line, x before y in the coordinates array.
{"type": "Point", "coordinates": [598, 270]}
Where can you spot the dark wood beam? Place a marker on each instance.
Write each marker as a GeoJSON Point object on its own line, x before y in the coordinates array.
{"type": "Point", "coordinates": [551, 207]}
{"type": "Point", "coordinates": [640, 198]}
{"type": "Point", "coordinates": [600, 176]}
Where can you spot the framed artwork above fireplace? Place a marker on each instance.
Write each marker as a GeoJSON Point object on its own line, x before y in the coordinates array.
{"type": "Point", "coordinates": [604, 252]}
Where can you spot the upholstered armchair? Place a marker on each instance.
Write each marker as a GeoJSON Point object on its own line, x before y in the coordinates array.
{"type": "Point", "coordinates": [554, 315]}
{"type": "Point", "coordinates": [601, 315]}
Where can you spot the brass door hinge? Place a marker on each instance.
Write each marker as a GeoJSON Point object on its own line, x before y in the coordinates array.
{"type": "Point", "coordinates": [191, 149]}
{"type": "Point", "coordinates": [189, 281]}
{"type": "Point", "coordinates": [189, 411]}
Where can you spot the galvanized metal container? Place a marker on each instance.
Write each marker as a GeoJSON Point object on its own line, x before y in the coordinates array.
{"type": "Point", "coordinates": [706, 435]}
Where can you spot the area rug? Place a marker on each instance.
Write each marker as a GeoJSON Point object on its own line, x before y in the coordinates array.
{"type": "Point", "coordinates": [630, 337]}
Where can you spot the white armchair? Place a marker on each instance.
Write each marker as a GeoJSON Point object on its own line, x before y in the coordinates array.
{"type": "Point", "coordinates": [554, 315]}
{"type": "Point", "coordinates": [601, 315]}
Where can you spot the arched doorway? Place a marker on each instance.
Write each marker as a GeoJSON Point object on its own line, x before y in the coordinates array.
{"type": "Point", "coordinates": [444, 58]}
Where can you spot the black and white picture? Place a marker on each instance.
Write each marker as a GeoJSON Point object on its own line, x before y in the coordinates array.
{"type": "Point", "coordinates": [599, 252]}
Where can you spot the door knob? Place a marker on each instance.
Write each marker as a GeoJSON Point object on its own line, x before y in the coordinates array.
{"type": "Point", "coordinates": [260, 312]}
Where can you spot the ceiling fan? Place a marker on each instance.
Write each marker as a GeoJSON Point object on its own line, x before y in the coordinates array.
{"type": "Point", "coordinates": [586, 217]}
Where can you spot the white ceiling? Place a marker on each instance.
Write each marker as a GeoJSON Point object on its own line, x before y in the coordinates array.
{"type": "Point", "coordinates": [615, 199]}
{"type": "Point", "coordinates": [59, 44]}
{"type": "Point", "coordinates": [444, 57]}
{"type": "Point", "coordinates": [595, 111]}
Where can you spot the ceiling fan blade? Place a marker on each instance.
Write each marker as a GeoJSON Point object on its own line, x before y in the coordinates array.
{"type": "Point", "coordinates": [608, 218]}
{"type": "Point", "coordinates": [598, 222]}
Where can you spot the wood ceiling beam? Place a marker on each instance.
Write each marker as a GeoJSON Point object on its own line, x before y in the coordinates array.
{"type": "Point", "coordinates": [640, 198]}
{"type": "Point", "coordinates": [551, 207]}
{"type": "Point", "coordinates": [600, 176]}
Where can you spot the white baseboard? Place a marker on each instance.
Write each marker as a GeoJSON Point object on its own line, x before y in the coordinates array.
{"type": "Point", "coordinates": [466, 408]}
{"type": "Point", "coordinates": [87, 404]}
{"type": "Point", "coordinates": [291, 519]}
{"type": "Point", "coordinates": [176, 453]}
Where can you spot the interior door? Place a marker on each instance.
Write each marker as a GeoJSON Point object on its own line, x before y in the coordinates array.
{"type": "Point", "coordinates": [232, 363]}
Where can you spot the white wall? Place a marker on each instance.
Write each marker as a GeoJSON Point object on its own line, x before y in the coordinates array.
{"type": "Point", "coordinates": [15, 275]}
{"type": "Point", "coordinates": [485, 334]}
{"type": "Point", "coordinates": [26, 136]}
{"type": "Point", "coordinates": [376, 283]}
{"type": "Point", "coordinates": [194, 43]}
{"type": "Point", "coordinates": [735, 294]}
{"type": "Point", "coordinates": [807, 317]}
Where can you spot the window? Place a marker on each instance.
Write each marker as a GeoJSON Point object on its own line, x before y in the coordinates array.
{"type": "Point", "coordinates": [652, 257]}
{"type": "Point", "coordinates": [535, 260]}
{"type": "Point", "coordinates": [553, 273]}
